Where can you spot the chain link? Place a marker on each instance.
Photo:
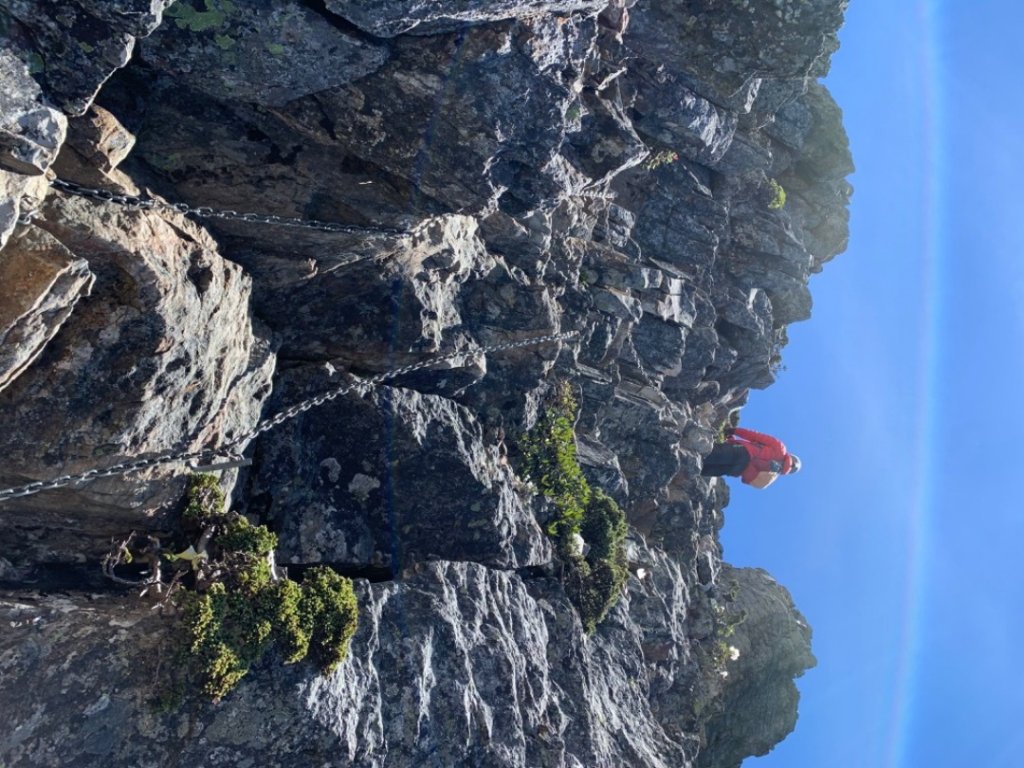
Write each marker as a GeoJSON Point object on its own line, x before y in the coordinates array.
{"type": "Point", "coordinates": [205, 212]}
{"type": "Point", "coordinates": [173, 457]}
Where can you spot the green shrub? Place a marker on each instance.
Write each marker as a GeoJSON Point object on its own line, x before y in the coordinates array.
{"type": "Point", "coordinates": [777, 195]}
{"type": "Point", "coordinates": [203, 499]}
{"type": "Point", "coordinates": [328, 610]}
{"type": "Point", "coordinates": [240, 535]}
{"type": "Point", "coordinates": [246, 573]}
{"type": "Point", "coordinates": [604, 527]}
{"type": "Point", "coordinates": [293, 632]}
{"type": "Point", "coordinates": [660, 158]}
{"type": "Point", "coordinates": [241, 610]}
{"type": "Point", "coordinates": [225, 635]}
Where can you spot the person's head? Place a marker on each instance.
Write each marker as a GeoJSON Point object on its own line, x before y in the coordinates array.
{"type": "Point", "coordinates": [794, 464]}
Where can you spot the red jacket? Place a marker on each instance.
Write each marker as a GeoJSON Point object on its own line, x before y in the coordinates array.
{"type": "Point", "coordinates": [767, 454]}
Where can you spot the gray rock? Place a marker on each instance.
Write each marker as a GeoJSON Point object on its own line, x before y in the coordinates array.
{"type": "Point", "coordinates": [637, 423]}
{"type": "Point", "coordinates": [724, 50]}
{"type": "Point", "coordinates": [821, 194]}
{"type": "Point", "coordinates": [674, 116]}
{"type": "Point", "coordinates": [679, 221]}
{"type": "Point", "coordinates": [747, 153]}
{"type": "Point", "coordinates": [99, 713]}
{"type": "Point", "coordinates": [163, 306]}
{"type": "Point", "coordinates": [773, 639]}
{"type": "Point", "coordinates": [30, 135]}
{"type": "Point", "coordinates": [396, 17]}
{"type": "Point", "coordinates": [43, 282]}
{"type": "Point", "coordinates": [77, 45]}
{"type": "Point", "coordinates": [606, 143]}
{"type": "Point", "coordinates": [416, 118]}
{"type": "Point", "coordinates": [20, 195]}
{"type": "Point", "coordinates": [477, 666]}
{"type": "Point", "coordinates": [387, 479]}
{"type": "Point", "coordinates": [263, 51]}
{"type": "Point", "coordinates": [389, 299]}
{"type": "Point", "coordinates": [97, 141]}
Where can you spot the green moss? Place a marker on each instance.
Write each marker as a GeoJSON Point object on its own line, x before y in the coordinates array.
{"type": "Point", "coordinates": [596, 581]}
{"type": "Point", "coordinates": [549, 452]}
{"type": "Point", "coordinates": [592, 583]}
{"type": "Point", "coordinates": [777, 195]}
{"type": "Point", "coordinates": [275, 49]}
{"type": "Point", "coordinates": [224, 42]}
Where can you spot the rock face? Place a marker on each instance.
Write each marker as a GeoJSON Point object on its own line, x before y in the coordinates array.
{"type": "Point", "coordinates": [162, 354]}
{"type": "Point", "coordinates": [488, 173]}
{"type": "Point", "coordinates": [772, 640]}
{"type": "Point", "coordinates": [44, 281]}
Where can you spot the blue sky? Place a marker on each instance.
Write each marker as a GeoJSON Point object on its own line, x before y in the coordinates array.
{"type": "Point", "coordinates": [901, 539]}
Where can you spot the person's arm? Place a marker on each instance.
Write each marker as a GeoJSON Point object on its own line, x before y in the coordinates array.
{"type": "Point", "coordinates": [757, 437]}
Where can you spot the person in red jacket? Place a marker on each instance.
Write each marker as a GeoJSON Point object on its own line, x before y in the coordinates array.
{"type": "Point", "coordinates": [755, 458]}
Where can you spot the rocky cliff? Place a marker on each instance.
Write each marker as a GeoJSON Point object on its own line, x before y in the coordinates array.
{"type": "Point", "coordinates": [646, 185]}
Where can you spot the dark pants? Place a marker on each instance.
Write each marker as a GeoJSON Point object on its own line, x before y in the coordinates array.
{"type": "Point", "coordinates": [726, 459]}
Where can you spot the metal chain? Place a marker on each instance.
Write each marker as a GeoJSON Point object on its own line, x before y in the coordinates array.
{"type": "Point", "coordinates": [205, 212]}
{"type": "Point", "coordinates": [173, 457]}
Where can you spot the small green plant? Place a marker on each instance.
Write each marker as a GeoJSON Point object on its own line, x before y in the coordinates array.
{"type": "Point", "coordinates": [239, 607]}
{"type": "Point", "coordinates": [776, 195]}
{"type": "Point", "coordinates": [779, 342]}
{"type": "Point", "coordinates": [239, 535]}
{"type": "Point", "coordinates": [593, 582]}
{"type": "Point", "coordinates": [204, 499]}
{"type": "Point", "coordinates": [718, 648]}
{"type": "Point", "coordinates": [721, 654]}
{"type": "Point", "coordinates": [549, 451]}
{"type": "Point", "coordinates": [230, 628]}
{"type": "Point", "coordinates": [721, 436]}
{"type": "Point", "coordinates": [660, 158]}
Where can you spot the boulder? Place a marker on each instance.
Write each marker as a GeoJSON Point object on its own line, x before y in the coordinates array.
{"type": "Point", "coordinates": [162, 355]}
